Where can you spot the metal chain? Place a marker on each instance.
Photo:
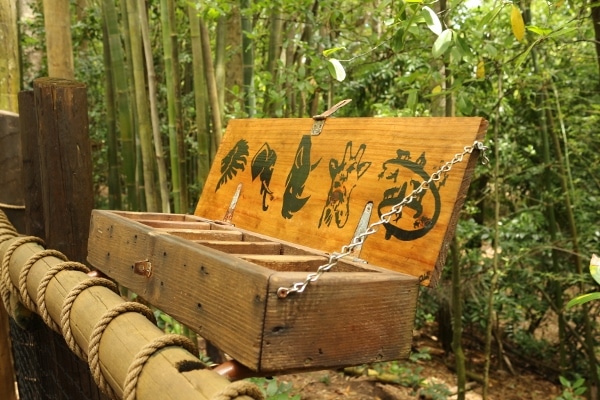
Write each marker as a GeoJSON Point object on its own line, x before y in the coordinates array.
{"type": "Point", "coordinates": [385, 218]}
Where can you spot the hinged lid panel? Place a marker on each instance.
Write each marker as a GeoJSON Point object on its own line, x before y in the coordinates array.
{"type": "Point", "coordinates": [312, 189]}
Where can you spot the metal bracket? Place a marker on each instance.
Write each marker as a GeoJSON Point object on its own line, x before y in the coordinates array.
{"type": "Point", "coordinates": [143, 268]}
{"type": "Point", "coordinates": [229, 214]}
{"type": "Point", "coordinates": [361, 228]}
{"type": "Point", "coordinates": [320, 119]}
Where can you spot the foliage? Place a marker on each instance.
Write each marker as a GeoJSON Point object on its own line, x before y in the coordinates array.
{"type": "Point", "coordinates": [529, 68]}
{"type": "Point", "coordinates": [572, 390]}
{"type": "Point", "coordinates": [595, 273]}
{"type": "Point", "coordinates": [274, 389]}
{"type": "Point", "coordinates": [407, 374]}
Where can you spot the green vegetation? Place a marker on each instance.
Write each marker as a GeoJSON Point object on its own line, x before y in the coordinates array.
{"type": "Point", "coordinates": [531, 68]}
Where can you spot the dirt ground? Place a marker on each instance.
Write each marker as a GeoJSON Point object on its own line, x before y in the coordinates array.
{"type": "Point", "coordinates": [328, 385]}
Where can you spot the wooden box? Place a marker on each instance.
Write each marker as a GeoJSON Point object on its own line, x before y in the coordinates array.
{"type": "Point", "coordinates": [282, 194]}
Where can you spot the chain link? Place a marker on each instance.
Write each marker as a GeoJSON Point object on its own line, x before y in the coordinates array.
{"type": "Point", "coordinates": [385, 218]}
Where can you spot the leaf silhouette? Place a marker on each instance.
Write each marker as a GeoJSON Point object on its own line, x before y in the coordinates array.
{"type": "Point", "coordinates": [233, 162]}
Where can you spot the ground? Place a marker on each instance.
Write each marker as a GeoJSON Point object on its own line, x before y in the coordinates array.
{"type": "Point", "coordinates": [525, 384]}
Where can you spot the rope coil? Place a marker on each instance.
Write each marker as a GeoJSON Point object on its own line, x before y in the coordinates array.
{"type": "Point", "coordinates": [6, 286]}
{"type": "Point", "coordinates": [238, 389]}
{"type": "Point", "coordinates": [41, 293]}
{"type": "Point", "coordinates": [27, 301]}
{"type": "Point", "coordinates": [136, 367]}
{"type": "Point", "coordinates": [65, 315]}
{"type": "Point", "coordinates": [12, 206]}
{"type": "Point", "coordinates": [96, 337]}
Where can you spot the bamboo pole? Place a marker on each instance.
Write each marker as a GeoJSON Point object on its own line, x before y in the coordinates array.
{"type": "Point", "coordinates": [170, 373]}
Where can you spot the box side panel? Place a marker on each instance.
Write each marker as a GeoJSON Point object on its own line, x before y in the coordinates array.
{"type": "Point", "coordinates": [342, 319]}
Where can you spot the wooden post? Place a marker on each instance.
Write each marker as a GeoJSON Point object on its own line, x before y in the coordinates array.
{"type": "Point", "coordinates": [11, 197]}
{"type": "Point", "coordinates": [65, 164]}
{"type": "Point", "coordinates": [57, 179]}
{"type": "Point", "coordinates": [34, 221]}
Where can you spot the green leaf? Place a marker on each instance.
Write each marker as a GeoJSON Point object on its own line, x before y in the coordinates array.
{"type": "Point", "coordinates": [579, 382]}
{"type": "Point", "coordinates": [337, 69]}
{"type": "Point", "coordinates": [328, 52]}
{"type": "Point", "coordinates": [524, 55]}
{"type": "Point", "coordinates": [539, 31]}
{"type": "Point", "coordinates": [561, 32]}
{"type": "Point", "coordinates": [584, 298]}
{"type": "Point", "coordinates": [489, 17]}
{"type": "Point", "coordinates": [564, 381]}
{"type": "Point", "coordinates": [462, 45]}
{"type": "Point", "coordinates": [432, 20]}
{"type": "Point", "coordinates": [442, 43]}
{"type": "Point", "coordinates": [595, 268]}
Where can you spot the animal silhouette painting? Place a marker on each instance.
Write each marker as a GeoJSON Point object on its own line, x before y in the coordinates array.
{"type": "Point", "coordinates": [344, 178]}
{"type": "Point", "coordinates": [296, 179]}
{"type": "Point", "coordinates": [234, 161]}
{"type": "Point", "coordinates": [262, 166]}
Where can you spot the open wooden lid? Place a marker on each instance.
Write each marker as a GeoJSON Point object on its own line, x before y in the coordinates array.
{"type": "Point", "coordinates": [293, 184]}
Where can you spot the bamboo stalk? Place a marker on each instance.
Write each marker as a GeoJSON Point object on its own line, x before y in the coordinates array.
{"type": "Point", "coordinates": [172, 81]}
{"type": "Point", "coordinates": [212, 89]}
{"type": "Point", "coordinates": [114, 179]}
{"type": "Point", "coordinates": [141, 106]}
{"type": "Point", "coordinates": [200, 93]}
{"type": "Point", "coordinates": [125, 120]}
{"type": "Point", "coordinates": [158, 147]}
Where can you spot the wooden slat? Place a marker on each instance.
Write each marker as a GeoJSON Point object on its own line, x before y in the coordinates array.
{"type": "Point", "coordinates": [158, 216]}
{"type": "Point", "coordinates": [157, 223]}
{"type": "Point", "coordinates": [286, 262]}
{"type": "Point", "coordinates": [217, 295]}
{"type": "Point", "coordinates": [202, 234]}
{"type": "Point", "coordinates": [342, 319]}
{"type": "Point", "coordinates": [311, 190]}
{"type": "Point", "coordinates": [230, 247]}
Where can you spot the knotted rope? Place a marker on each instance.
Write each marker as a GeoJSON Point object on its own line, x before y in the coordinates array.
{"type": "Point", "coordinates": [136, 367]}
{"type": "Point", "coordinates": [6, 286]}
{"type": "Point", "coordinates": [25, 271]}
{"type": "Point", "coordinates": [237, 389]}
{"type": "Point", "coordinates": [41, 293]}
{"type": "Point", "coordinates": [65, 315]}
{"type": "Point", "coordinates": [96, 336]}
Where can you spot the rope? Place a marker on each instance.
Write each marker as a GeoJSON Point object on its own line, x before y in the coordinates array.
{"type": "Point", "coordinates": [237, 389]}
{"type": "Point", "coordinates": [41, 293]}
{"type": "Point", "coordinates": [96, 336]}
{"type": "Point", "coordinates": [25, 271]}
{"type": "Point", "coordinates": [65, 314]}
{"type": "Point", "coordinates": [11, 206]}
{"type": "Point", "coordinates": [136, 367]}
{"type": "Point", "coordinates": [6, 224]}
{"type": "Point", "coordinates": [6, 236]}
{"type": "Point", "coordinates": [6, 286]}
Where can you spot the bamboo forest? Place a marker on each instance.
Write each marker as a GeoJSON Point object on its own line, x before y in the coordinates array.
{"type": "Point", "coordinates": [165, 77]}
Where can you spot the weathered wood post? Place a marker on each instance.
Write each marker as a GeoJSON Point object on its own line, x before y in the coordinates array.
{"type": "Point", "coordinates": [65, 164]}
{"type": "Point", "coordinates": [57, 178]}
{"type": "Point", "coordinates": [11, 200]}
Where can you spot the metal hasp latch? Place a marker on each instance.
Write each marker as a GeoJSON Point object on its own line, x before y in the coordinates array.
{"type": "Point", "coordinates": [234, 200]}
{"type": "Point", "coordinates": [320, 119]}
